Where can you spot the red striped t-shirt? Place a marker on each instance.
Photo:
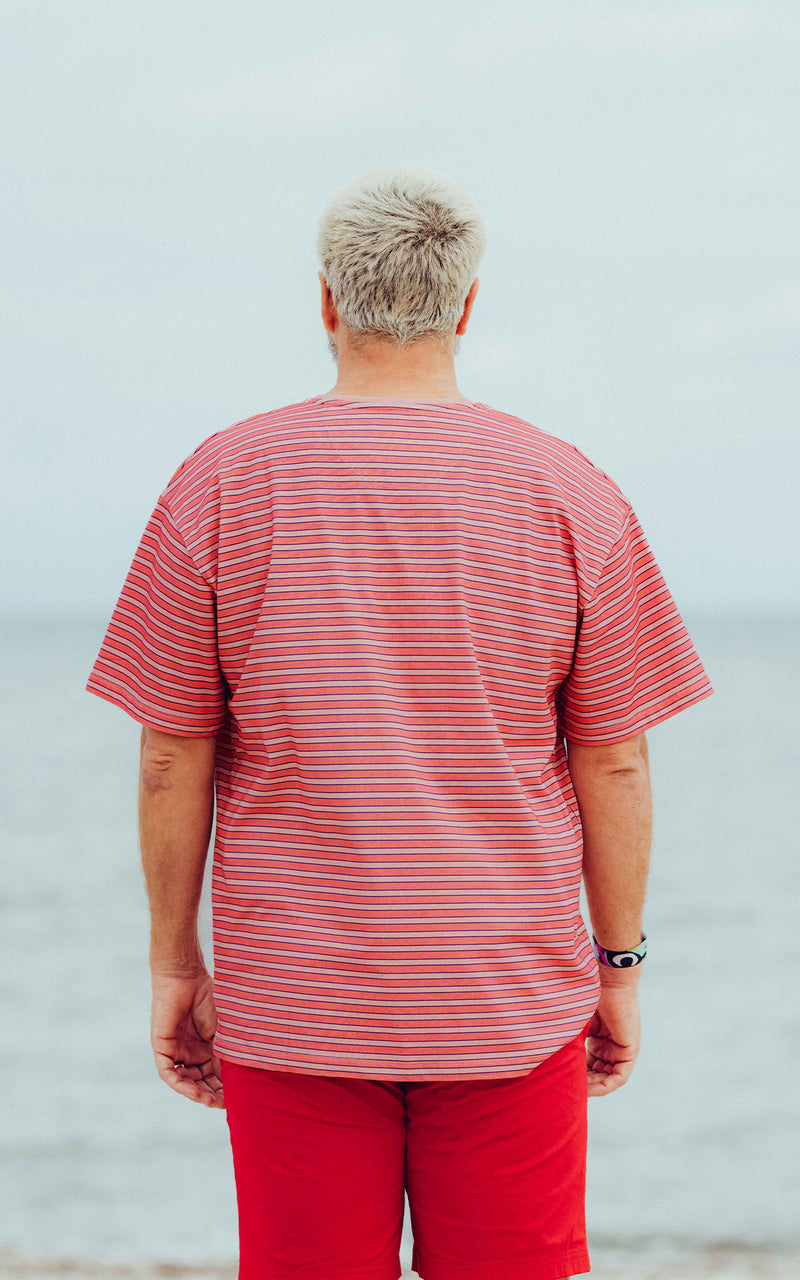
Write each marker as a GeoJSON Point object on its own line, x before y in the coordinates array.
{"type": "Point", "coordinates": [391, 613]}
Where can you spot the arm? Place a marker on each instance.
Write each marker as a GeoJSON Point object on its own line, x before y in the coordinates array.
{"type": "Point", "coordinates": [612, 787]}
{"type": "Point", "coordinates": [176, 807]}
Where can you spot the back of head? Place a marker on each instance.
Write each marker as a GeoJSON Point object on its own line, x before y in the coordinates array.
{"type": "Point", "coordinates": [399, 248]}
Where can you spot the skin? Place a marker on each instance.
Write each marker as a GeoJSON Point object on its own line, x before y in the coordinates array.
{"type": "Point", "coordinates": [378, 367]}
{"type": "Point", "coordinates": [176, 807]}
{"type": "Point", "coordinates": [612, 786]}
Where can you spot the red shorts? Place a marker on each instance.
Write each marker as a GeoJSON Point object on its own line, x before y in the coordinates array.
{"type": "Point", "coordinates": [494, 1170]}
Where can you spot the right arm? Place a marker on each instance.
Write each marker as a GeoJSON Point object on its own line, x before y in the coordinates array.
{"type": "Point", "coordinates": [612, 785]}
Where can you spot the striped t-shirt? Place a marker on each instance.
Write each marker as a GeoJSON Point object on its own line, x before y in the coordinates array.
{"type": "Point", "coordinates": [391, 613]}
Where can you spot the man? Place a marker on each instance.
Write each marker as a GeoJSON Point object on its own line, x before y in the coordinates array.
{"type": "Point", "coordinates": [412, 644]}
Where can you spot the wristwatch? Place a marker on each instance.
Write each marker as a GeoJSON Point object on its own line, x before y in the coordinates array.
{"type": "Point", "coordinates": [620, 959]}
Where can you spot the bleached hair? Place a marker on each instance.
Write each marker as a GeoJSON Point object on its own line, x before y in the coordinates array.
{"type": "Point", "coordinates": [399, 248]}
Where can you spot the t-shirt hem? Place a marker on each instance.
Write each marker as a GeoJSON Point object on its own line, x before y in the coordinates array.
{"type": "Point", "coordinates": [143, 715]}
{"type": "Point", "coordinates": [403, 1072]}
{"type": "Point", "coordinates": [657, 716]}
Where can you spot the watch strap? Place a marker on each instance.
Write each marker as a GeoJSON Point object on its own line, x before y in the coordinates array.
{"type": "Point", "coordinates": [620, 959]}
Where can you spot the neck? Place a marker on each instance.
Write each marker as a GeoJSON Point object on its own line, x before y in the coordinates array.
{"type": "Point", "coordinates": [382, 369]}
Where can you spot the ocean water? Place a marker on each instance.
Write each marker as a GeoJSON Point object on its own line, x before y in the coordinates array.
{"type": "Point", "coordinates": [103, 1160]}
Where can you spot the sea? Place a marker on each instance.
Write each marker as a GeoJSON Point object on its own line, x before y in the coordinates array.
{"type": "Point", "coordinates": [693, 1165]}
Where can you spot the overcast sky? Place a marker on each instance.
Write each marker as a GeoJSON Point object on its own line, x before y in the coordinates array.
{"type": "Point", "coordinates": [640, 294]}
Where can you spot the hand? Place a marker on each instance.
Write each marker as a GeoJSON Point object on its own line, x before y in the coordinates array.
{"type": "Point", "coordinates": [182, 1028]}
{"type": "Point", "coordinates": [613, 1038]}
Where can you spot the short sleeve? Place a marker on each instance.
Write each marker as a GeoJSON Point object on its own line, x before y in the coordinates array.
{"type": "Point", "coordinates": [159, 660]}
{"type": "Point", "coordinates": [634, 663]}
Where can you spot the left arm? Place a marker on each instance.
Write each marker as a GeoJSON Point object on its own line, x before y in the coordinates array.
{"type": "Point", "coordinates": [176, 809]}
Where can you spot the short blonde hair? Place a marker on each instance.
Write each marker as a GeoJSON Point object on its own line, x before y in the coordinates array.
{"type": "Point", "coordinates": [399, 248]}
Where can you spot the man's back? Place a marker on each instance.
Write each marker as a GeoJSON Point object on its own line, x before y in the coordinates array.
{"type": "Point", "coordinates": [391, 613]}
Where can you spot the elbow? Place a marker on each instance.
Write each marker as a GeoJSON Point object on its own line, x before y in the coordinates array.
{"type": "Point", "coordinates": [155, 776]}
{"type": "Point", "coordinates": [633, 774]}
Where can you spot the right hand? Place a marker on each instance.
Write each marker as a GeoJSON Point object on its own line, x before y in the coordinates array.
{"type": "Point", "coordinates": [614, 1035]}
{"type": "Point", "coordinates": [182, 1027]}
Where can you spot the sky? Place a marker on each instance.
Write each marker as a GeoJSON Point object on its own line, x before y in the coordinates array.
{"type": "Point", "coordinates": [636, 167]}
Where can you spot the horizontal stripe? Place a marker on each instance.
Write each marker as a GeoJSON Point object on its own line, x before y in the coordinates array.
{"type": "Point", "coordinates": [392, 616]}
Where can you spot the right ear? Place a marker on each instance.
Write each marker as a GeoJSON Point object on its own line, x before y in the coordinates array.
{"type": "Point", "coordinates": [328, 309]}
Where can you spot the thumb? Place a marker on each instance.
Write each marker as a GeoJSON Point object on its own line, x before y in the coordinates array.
{"type": "Point", "coordinates": [204, 1015]}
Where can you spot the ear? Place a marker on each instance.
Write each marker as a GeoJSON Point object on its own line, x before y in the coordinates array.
{"type": "Point", "coordinates": [468, 301]}
{"type": "Point", "coordinates": [329, 313]}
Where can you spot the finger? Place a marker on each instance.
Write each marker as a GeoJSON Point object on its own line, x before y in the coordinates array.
{"type": "Point", "coordinates": [599, 1087]}
{"type": "Point", "coordinates": [208, 1073]}
{"type": "Point", "coordinates": [193, 1084]}
{"type": "Point", "coordinates": [602, 1082]}
{"type": "Point", "coordinates": [216, 1082]}
{"type": "Point", "coordinates": [599, 1067]}
{"type": "Point", "coordinates": [621, 1066]}
{"type": "Point", "coordinates": [183, 1084]}
{"type": "Point", "coordinates": [599, 1084]}
{"type": "Point", "coordinates": [212, 1082]}
{"type": "Point", "coordinates": [182, 1079]}
{"type": "Point", "coordinates": [610, 1050]}
{"type": "Point", "coordinates": [207, 1086]}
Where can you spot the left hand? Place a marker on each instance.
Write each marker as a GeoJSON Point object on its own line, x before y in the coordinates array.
{"type": "Point", "coordinates": [182, 1028]}
{"type": "Point", "coordinates": [614, 1036]}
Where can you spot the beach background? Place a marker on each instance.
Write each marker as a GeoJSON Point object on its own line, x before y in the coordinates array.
{"type": "Point", "coordinates": [640, 297]}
